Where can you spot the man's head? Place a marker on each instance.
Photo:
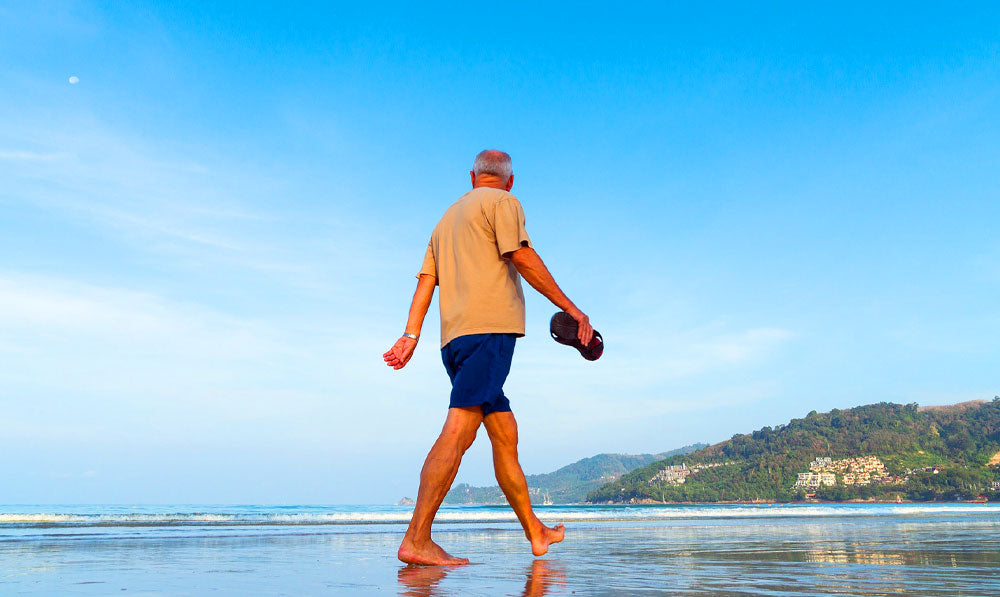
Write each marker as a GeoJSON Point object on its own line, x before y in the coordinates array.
{"type": "Point", "coordinates": [492, 169]}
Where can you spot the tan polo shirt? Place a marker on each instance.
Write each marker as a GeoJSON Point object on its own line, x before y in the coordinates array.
{"type": "Point", "coordinates": [480, 290]}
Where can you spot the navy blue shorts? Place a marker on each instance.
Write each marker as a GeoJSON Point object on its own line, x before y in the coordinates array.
{"type": "Point", "coordinates": [478, 365]}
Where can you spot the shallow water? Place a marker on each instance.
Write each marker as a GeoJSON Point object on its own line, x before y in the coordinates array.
{"type": "Point", "coordinates": [690, 550]}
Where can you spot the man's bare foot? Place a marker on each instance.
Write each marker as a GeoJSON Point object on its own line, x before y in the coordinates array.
{"type": "Point", "coordinates": [428, 554]}
{"type": "Point", "coordinates": [544, 537]}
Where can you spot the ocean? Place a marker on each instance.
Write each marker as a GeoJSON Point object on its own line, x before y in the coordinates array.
{"type": "Point", "coordinates": [801, 549]}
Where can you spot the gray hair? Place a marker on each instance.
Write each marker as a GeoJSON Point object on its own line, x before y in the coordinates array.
{"type": "Point", "coordinates": [493, 161]}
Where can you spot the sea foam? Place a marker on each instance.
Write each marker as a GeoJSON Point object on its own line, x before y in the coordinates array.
{"type": "Point", "coordinates": [357, 515]}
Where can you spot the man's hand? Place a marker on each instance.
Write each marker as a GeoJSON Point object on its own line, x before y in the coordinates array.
{"type": "Point", "coordinates": [399, 355]}
{"type": "Point", "coordinates": [584, 331]}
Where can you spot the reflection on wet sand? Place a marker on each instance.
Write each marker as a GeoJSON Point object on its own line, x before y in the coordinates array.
{"type": "Point", "coordinates": [423, 581]}
{"type": "Point", "coordinates": [855, 556]}
{"type": "Point", "coordinates": [542, 576]}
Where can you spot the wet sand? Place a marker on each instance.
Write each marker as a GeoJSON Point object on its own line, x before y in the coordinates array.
{"type": "Point", "coordinates": [918, 555]}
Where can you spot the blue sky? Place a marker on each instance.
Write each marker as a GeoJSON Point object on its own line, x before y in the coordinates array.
{"type": "Point", "coordinates": [207, 242]}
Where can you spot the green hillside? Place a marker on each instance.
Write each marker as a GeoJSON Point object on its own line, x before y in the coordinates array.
{"type": "Point", "coordinates": [878, 451]}
{"type": "Point", "coordinates": [570, 483]}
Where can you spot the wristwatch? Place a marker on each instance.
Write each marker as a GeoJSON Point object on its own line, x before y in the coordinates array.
{"type": "Point", "coordinates": [413, 336]}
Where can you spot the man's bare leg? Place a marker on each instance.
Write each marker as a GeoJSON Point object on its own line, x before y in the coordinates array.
{"type": "Point", "coordinates": [502, 429]}
{"type": "Point", "coordinates": [436, 478]}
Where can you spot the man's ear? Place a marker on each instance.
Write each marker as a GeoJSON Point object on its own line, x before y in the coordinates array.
{"type": "Point", "coordinates": [472, 175]}
{"type": "Point", "coordinates": [510, 183]}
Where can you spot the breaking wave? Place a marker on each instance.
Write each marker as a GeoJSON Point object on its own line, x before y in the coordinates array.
{"type": "Point", "coordinates": [338, 515]}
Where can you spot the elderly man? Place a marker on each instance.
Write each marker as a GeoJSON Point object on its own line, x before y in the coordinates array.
{"type": "Point", "coordinates": [475, 256]}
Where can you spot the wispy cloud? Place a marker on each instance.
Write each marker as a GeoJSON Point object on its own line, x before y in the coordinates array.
{"type": "Point", "coordinates": [640, 359]}
{"type": "Point", "coordinates": [183, 206]}
{"type": "Point", "coordinates": [120, 183]}
{"type": "Point", "coordinates": [134, 350]}
{"type": "Point", "coordinates": [644, 377]}
{"type": "Point", "coordinates": [171, 367]}
{"type": "Point", "coordinates": [87, 474]}
{"type": "Point", "coordinates": [38, 303]}
{"type": "Point", "coordinates": [692, 356]}
{"type": "Point", "coordinates": [31, 156]}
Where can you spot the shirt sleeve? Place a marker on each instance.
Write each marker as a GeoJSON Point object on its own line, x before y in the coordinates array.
{"type": "Point", "coordinates": [429, 266]}
{"type": "Point", "coordinates": [508, 225]}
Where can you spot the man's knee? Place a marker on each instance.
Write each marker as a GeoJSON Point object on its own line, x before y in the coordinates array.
{"type": "Point", "coordinates": [502, 430]}
{"type": "Point", "coordinates": [461, 426]}
{"type": "Point", "coordinates": [468, 438]}
{"type": "Point", "coordinates": [505, 448]}
{"type": "Point", "coordinates": [461, 438]}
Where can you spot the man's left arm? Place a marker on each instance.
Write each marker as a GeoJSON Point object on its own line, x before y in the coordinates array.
{"type": "Point", "coordinates": [532, 268]}
{"type": "Point", "coordinates": [399, 355]}
{"type": "Point", "coordinates": [514, 245]}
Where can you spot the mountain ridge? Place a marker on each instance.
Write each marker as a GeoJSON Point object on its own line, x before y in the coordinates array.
{"type": "Point", "coordinates": [569, 483]}
{"type": "Point", "coordinates": [875, 451]}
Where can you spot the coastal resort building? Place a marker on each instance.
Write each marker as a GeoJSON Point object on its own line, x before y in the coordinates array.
{"type": "Point", "coordinates": [862, 470]}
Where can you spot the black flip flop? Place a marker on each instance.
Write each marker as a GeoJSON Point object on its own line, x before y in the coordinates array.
{"type": "Point", "coordinates": [563, 330]}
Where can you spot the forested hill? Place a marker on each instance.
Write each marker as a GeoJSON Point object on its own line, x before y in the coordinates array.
{"type": "Point", "coordinates": [878, 451]}
{"type": "Point", "coordinates": [570, 483]}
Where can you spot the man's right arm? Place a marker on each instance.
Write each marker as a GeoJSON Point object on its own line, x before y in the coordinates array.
{"type": "Point", "coordinates": [532, 269]}
{"type": "Point", "coordinates": [399, 355]}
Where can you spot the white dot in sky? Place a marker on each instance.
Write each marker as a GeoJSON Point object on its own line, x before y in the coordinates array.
{"type": "Point", "coordinates": [74, 80]}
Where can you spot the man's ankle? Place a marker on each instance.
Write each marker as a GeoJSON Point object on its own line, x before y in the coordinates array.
{"type": "Point", "coordinates": [416, 541]}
